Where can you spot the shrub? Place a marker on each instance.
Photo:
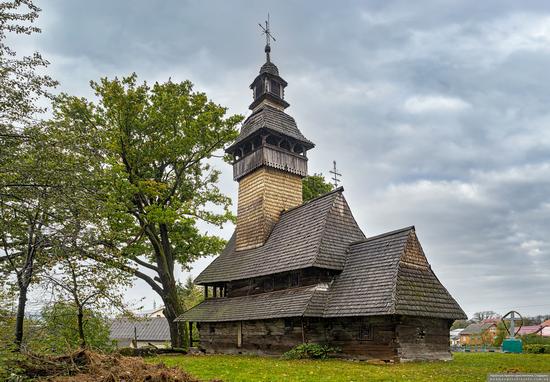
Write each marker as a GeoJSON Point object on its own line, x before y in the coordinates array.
{"type": "Point", "coordinates": [536, 349]}
{"type": "Point", "coordinates": [535, 339]}
{"type": "Point", "coordinates": [310, 351]}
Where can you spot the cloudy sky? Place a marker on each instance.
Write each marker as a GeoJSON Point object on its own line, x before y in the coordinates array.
{"type": "Point", "coordinates": [437, 115]}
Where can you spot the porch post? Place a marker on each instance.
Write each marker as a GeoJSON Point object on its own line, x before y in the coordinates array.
{"type": "Point", "coordinates": [190, 334]}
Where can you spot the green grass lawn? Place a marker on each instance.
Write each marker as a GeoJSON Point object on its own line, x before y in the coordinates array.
{"type": "Point", "coordinates": [464, 367]}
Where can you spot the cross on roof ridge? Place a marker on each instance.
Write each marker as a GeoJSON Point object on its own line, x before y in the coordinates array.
{"type": "Point", "coordinates": [268, 37]}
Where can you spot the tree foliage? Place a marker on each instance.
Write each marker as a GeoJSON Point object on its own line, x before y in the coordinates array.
{"type": "Point", "coordinates": [87, 286]}
{"type": "Point", "coordinates": [484, 315]}
{"type": "Point", "coordinates": [148, 172]}
{"type": "Point", "coordinates": [20, 84]}
{"type": "Point", "coordinates": [314, 185]}
{"type": "Point", "coordinates": [60, 332]}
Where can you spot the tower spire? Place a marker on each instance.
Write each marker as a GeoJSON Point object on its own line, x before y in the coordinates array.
{"type": "Point", "coordinates": [268, 38]}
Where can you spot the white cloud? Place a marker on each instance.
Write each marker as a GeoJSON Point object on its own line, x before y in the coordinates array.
{"type": "Point", "coordinates": [434, 103]}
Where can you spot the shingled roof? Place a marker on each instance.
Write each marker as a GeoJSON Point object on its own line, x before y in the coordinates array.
{"type": "Point", "coordinates": [389, 274]}
{"type": "Point", "coordinates": [295, 302]}
{"type": "Point", "coordinates": [314, 234]}
{"type": "Point", "coordinates": [271, 119]}
{"type": "Point", "coordinates": [384, 274]}
{"type": "Point", "coordinates": [148, 329]}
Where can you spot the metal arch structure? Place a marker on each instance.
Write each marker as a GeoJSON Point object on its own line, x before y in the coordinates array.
{"type": "Point", "coordinates": [511, 330]}
{"type": "Point", "coordinates": [512, 344]}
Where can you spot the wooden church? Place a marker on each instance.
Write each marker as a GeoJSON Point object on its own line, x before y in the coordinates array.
{"type": "Point", "coordinates": [297, 272]}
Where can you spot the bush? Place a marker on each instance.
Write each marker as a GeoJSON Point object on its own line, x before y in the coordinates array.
{"type": "Point", "coordinates": [535, 339]}
{"type": "Point", "coordinates": [536, 349]}
{"type": "Point", "coordinates": [310, 351]}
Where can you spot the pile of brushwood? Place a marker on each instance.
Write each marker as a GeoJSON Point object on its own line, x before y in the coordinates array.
{"type": "Point", "coordinates": [88, 366]}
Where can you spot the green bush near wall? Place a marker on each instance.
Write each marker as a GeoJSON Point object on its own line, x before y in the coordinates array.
{"type": "Point", "coordinates": [536, 349]}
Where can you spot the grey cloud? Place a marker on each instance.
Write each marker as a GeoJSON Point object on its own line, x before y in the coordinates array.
{"type": "Point", "coordinates": [437, 112]}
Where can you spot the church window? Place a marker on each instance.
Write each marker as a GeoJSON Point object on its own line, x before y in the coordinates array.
{"type": "Point", "coordinates": [420, 334]}
{"type": "Point", "coordinates": [289, 325]}
{"type": "Point", "coordinates": [271, 140]}
{"type": "Point", "coordinates": [275, 88]}
{"type": "Point", "coordinates": [258, 91]}
{"type": "Point", "coordinates": [294, 279]}
{"type": "Point", "coordinates": [211, 328]}
{"type": "Point", "coordinates": [365, 332]}
{"type": "Point", "coordinates": [268, 284]}
{"type": "Point", "coordinates": [285, 145]}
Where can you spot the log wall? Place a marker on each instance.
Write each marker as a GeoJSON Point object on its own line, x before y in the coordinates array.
{"type": "Point", "coordinates": [423, 339]}
{"type": "Point", "coordinates": [387, 338]}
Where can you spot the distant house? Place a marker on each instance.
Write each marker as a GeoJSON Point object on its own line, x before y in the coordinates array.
{"type": "Point", "coordinates": [482, 333]}
{"type": "Point", "coordinates": [137, 333]}
{"type": "Point", "coordinates": [156, 312]}
{"type": "Point", "coordinates": [530, 329]}
{"type": "Point", "coordinates": [454, 336]}
{"type": "Point", "coordinates": [545, 328]}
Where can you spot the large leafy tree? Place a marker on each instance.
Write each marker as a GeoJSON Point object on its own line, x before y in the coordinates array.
{"type": "Point", "coordinates": [148, 151]}
{"type": "Point", "coordinates": [25, 204]}
{"type": "Point", "coordinates": [35, 209]}
{"type": "Point", "coordinates": [314, 185]}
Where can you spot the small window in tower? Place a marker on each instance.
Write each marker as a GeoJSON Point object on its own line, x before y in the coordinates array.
{"type": "Point", "coordinates": [275, 88]}
{"type": "Point", "coordinates": [271, 140]}
{"type": "Point", "coordinates": [285, 145]}
{"type": "Point", "coordinates": [211, 329]}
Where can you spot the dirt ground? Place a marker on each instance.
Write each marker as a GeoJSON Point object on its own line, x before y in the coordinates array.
{"type": "Point", "coordinates": [86, 366]}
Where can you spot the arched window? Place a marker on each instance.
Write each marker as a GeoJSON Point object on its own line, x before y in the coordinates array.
{"type": "Point", "coordinates": [275, 88]}
{"type": "Point", "coordinates": [285, 145]}
{"type": "Point", "coordinates": [271, 140]}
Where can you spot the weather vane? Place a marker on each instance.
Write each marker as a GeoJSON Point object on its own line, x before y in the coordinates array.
{"type": "Point", "coordinates": [268, 37]}
{"type": "Point", "coordinates": [335, 174]}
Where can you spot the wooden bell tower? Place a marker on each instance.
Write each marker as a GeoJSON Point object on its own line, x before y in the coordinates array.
{"type": "Point", "coordinates": [269, 158]}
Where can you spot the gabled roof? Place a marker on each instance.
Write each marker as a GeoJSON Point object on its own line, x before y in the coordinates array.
{"type": "Point", "coordinates": [389, 274]}
{"type": "Point", "coordinates": [271, 119]}
{"type": "Point", "coordinates": [296, 302]}
{"type": "Point", "coordinates": [314, 234]}
{"type": "Point", "coordinates": [476, 328]}
{"type": "Point", "coordinates": [530, 329]}
{"type": "Point", "coordinates": [148, 329]}
{"type": "Point", "coordinates": [382, 275]}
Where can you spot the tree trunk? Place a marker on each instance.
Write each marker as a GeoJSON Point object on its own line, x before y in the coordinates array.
{"type": "Point", "coordinates": [80, 319]}
{"type": "Point", "coordinates": [20, 318]}
{"type": "Point", "coordinates": [172, 310]}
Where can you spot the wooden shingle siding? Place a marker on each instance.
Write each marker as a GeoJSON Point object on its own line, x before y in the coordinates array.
{"type": "Point", "coordinates": [270, 119]}
{"type": "Point", "coordinates": [263, 195]}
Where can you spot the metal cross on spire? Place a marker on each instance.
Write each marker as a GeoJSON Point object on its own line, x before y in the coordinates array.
{"type": "Point", "coordinates": [335, 174]}
{"type": "Point", "coordinates": [268, 37]}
